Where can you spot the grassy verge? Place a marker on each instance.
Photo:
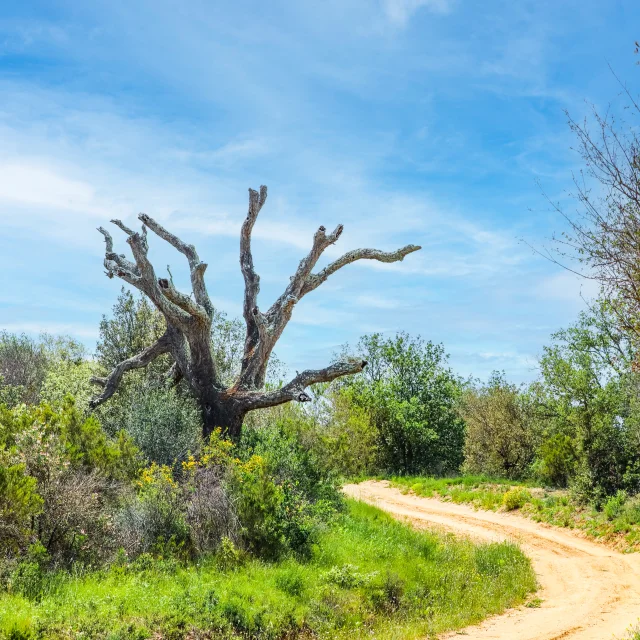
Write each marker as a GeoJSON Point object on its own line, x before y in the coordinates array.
{"type": "Point", "coordinates": [368, 576]}
{"type": "Point", "coordinates": [617, 524]}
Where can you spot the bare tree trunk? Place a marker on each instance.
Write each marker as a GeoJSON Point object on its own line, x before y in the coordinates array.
{"type": "Point", "coordinates": [225, 415]}
{"type": "Point", "coordinates": [189, 318]}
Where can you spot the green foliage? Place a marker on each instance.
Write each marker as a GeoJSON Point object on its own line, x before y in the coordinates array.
{"type": "Point", "coordinates": [135, 325]}
{"type": "Point", "coordinates": [411, 397]}
{"type": "Point", "coordinates": [163, 423]}
{"type": "Point", "coordinates": [153, 520]}
{"type": "Point", "coordinates": [27, 365]}
{"type": "Point", "coordinates": [499, 435]}
{"type": "Point", "coordinates": [557, 458]}
{"type": "Point", "coordinates": [515, 498]}
{"type": "Point", "coordinates": [286, 488]}
{"type": "Point", "coordinates": [614, 506]}
{"type": "Point", "coordinates": [19, 504]}
{"type": "Point", "coordinates": [23, 366]}
{"type": "Point", "coordinates": [61, 475]}
{"type": "Point", "coordinates": [402, 582]}
{"type": "Point", "coordinates": [84, 442]}
{"type": "Point", "coordinates": [617, 523]}
{"type": "Point", "coordinates": [587, 409]}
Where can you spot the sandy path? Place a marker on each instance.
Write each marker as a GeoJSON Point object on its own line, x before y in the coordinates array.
{"type": "Point", "coordinates": [589, 591]}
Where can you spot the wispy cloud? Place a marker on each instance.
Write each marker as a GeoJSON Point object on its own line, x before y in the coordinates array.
{"type": "Point", "coordinates": [399, 12]}
{"type": "Point", "coordinates": [409, 121]}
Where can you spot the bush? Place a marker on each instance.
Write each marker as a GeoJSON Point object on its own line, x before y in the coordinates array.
{"type": "Point", "coordinates": [19, 504]}
{"type": "Point", "coordinates": [162, 423]}
{"type": "Point", "coordinates": [499, 437]}
{"type": "Point", "coordinates": [64, 474]}
{"type": "Point", "coordinates": [412, 400]}
{"type": "Point", "coordinates": [300, 493]}
{"type": "Point", "coordinates": [515, 498]}
{"type": "Point", "coordinates": [153, 520]}
{"type": "Point", "coordinates": [209, 510]}
{"type": "Point", "coordinates": [614, 506]}
{"type": "Point", "coordinates": [556, 463]}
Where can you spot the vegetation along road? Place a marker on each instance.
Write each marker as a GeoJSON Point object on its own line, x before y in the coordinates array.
{"type": "Point", "coordinates": [587, 591]}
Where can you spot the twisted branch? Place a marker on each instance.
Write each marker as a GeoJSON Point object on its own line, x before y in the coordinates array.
{"type": "Point", "coordinates": [316, 279]}
{"type": "Point", "coordinates": [294, 391]}
{"type": "Point", "coordinates": [139, 361]}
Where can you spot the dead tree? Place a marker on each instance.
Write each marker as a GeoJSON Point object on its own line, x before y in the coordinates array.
{"type": "Point", "coordinates": [187, 339]}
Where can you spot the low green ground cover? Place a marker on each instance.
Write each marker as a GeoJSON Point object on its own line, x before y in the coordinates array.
{"type": "Point", "coordinates": [367, 576]}
{"type": "Point", "coordinates": [617, 522]}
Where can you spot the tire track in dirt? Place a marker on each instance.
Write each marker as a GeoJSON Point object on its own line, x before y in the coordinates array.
{"type": "Point", "coordinates": [588, 591]}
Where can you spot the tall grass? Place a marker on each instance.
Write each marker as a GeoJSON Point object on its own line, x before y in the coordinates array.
{"type": "Point", "coordinates": [616, 523]}
{"type": "Point", "coordinates": [369, 576]}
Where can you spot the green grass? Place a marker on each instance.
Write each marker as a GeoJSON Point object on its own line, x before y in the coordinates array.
{"type": "Point", "coordinates": [618, 524]}
{"type": "Point", "coordinates": [369, 576]}
{"type": "Point", "coordinates": [632, 634]}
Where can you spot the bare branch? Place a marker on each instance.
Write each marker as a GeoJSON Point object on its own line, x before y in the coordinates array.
{"type": "Point", "coordinates": [141, 274]}
{"type": "Point", "coordinates": [122, 226]}
{"type": "Point", "coordinates": [294, 291]}
{"type": "Point", "coordinates": [316, 279]}
{"type": "Point", "coordinates": [251, 278]}
{"type": "Point", "coordinates": [111, 382]}
{"type": "Point", "coordinates": [294, 391]}
{"type": "Point", "coordinates": [117, 264]}
{"type": "Point", "coordinates": [250, 310]}
{"type": "Point", "coordinates": [182, 300]}
{"type": "Point", "coordinates": [196, 267]}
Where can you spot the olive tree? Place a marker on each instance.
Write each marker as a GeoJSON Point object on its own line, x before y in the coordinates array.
{"type": "Point", "coordinates": [187, 338]}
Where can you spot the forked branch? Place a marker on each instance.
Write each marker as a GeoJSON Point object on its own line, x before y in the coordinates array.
{"type": "Point", "coordinates": [295, 390]}
{"type": "Point", "coordinates": [189, 318]}
{"type": "Point", "coordinates": [139, 361]}
{"type": "Point", "coordinates": [316, 279]}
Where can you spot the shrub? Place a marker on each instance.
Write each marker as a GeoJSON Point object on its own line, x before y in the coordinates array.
{"type": "Point", "coordinates": [153, 520]}
{"type": "Point", "coordinates": [259, 503]}
{"type": "Point", "coordinates": [209, 509]}
{"type": "Point", "coordinates": [556, 463]}
{"type": "Point", "coordinates": [75, 470]}
{"type": "Point", "coordinates": [631, 511]}
{"type": "Point", "coordinates": [162, 423]}
{"type": "Point", "coordinates": [35, 432]}
{"type": "Point", "coordinates": [19, 504]}
{"type": "Point", "coordinates": [499, 438]}
{"type": "Point", "coordinates": [300, 492]}
{"type": "Point", "coordinates": [614, 506]}
{"type": "Point", "coordinates": [515, 498]}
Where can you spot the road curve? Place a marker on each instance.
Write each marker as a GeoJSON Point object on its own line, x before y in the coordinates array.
{"type": "Point", "coordinates": [588, 591]}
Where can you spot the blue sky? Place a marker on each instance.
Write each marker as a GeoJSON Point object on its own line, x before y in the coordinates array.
{"type": "Point", "coordinates": [409, 121]}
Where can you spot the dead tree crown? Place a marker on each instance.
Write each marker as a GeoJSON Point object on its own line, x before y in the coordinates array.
{"type": "Point", "coordinates": [187, 339]}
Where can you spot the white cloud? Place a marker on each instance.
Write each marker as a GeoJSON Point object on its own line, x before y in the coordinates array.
{"type": "Point", "coordinates": [54, 328]}
{"type": "Point", "coordinates": [400, 11]}
{"type": "Point", "coordinates": [37, 184]}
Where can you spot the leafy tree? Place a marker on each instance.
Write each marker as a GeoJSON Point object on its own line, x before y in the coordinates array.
{"type": "Point", "coordinates": [412, 399]}
{"type": "Point", "coordinates": [603, 233]}
{"type": "Point", "coordinates": [586, 404]}
{"type": "Point", "coordinates": [27, 366]}
{"type": "Point", "coordinates": [23, 364]}
{"type": "Point", "coordinates": [499, 436]}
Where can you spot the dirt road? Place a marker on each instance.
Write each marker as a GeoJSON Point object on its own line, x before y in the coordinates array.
{"type": "Point", "coordinates": [588, 591]}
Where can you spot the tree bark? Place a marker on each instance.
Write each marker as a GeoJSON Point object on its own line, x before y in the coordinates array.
{"type": "Point", "coordinates": [189, 318]}
{"type": "Point", "coordinates": [226, 415]}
